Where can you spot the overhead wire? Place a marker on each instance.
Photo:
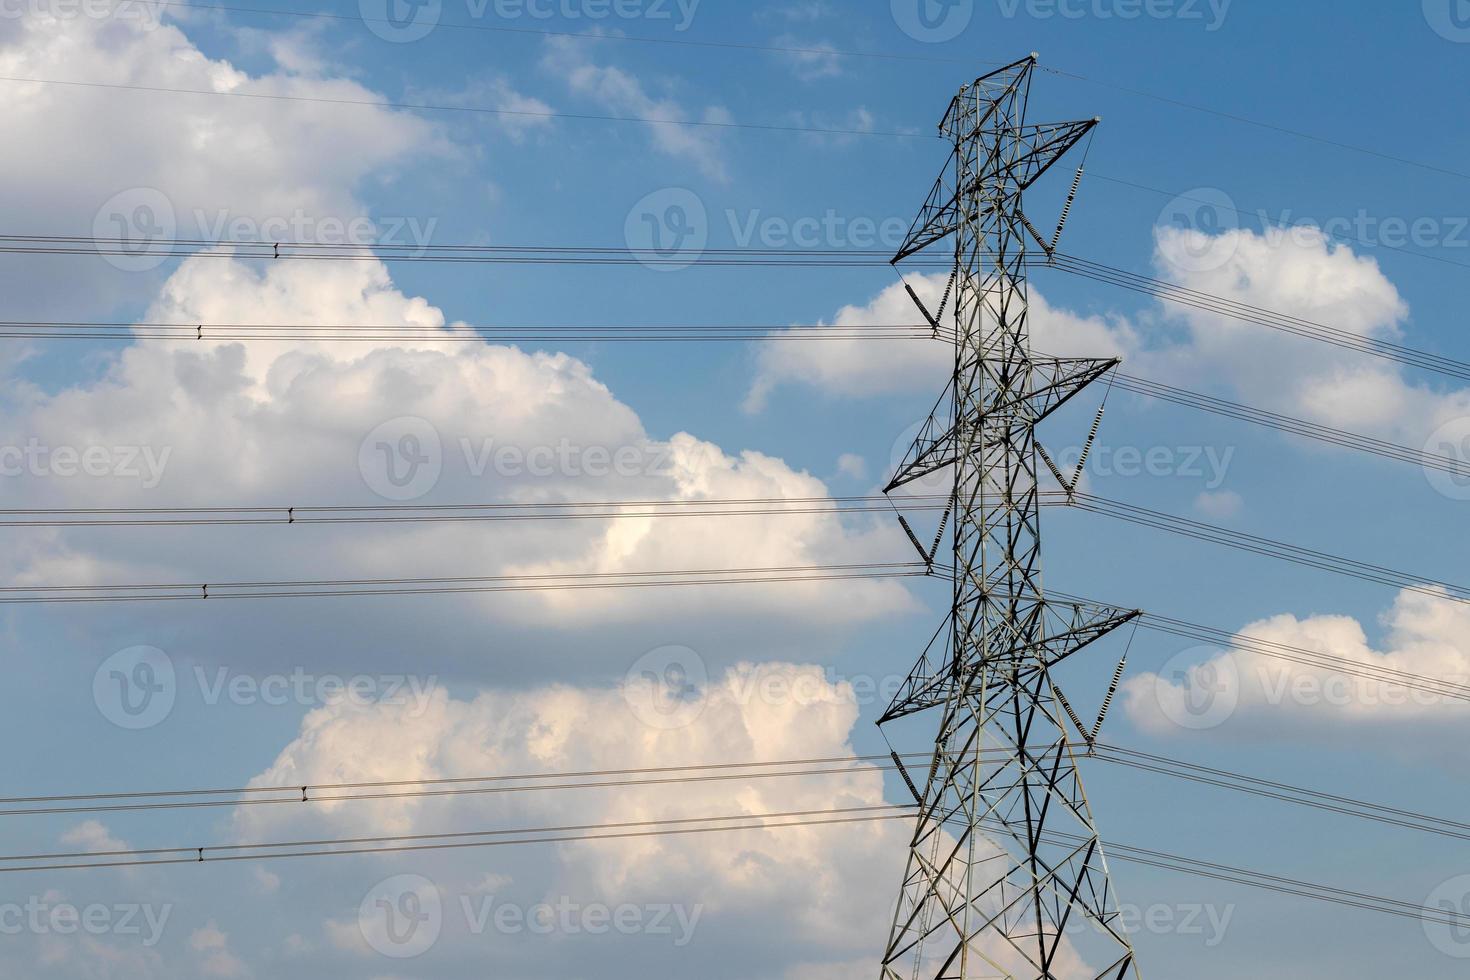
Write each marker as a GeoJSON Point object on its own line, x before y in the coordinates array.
{"type": "Point", "coordinates": [626, 830]}
{"type": "Point", "coordinates": [448, 585]}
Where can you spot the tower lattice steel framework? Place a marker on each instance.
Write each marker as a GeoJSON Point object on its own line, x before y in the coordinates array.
{"type": "Point", "coordinates": [1006, 875]}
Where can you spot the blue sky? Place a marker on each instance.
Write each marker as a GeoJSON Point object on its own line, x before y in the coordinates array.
{"type": "Point", "coordinates": [527, 682]}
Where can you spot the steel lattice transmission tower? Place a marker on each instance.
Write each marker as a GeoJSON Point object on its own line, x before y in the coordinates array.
{"type": "Point", "coordinates": [1005, 875]}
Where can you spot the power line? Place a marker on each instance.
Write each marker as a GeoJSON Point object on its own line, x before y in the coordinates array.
{"type": "Point", "coordinates": [413, 789]}
{"type": "Point", "coordinates": [388, 844]}
{"type": "Point", "coordinates": [627, 256]}
{"type": "Point", "coordinates": [279, 589]}
{"type": "Point", "coordinates": [582, 36]}
{"type": "Point", "coordinates": [827, 52]}
{"type": "Point", "coordinates": [429, 842]}
{"type": "Point", "coordinates": [1248, 313]}
{"type": "Point", "coordinates": [384, 251]}
{"type": "Point", "coordinates": [1255, 544]}
{"type": "Point", "coordinates": [1263, 218]}
{"type": "Point", "coordinates": [1293, 426]}
{"type": "Point", "coordinates": [438, 513]}
{"type": "Point", "coordinates": [1436, 686]}
{"type": "Point", "coordinates": [1303, 656]}
{"type": "Point", "coordinates": [1288, 424]}
{"type": "Point", "coordinates": [1260, 124]}
{"type": "Point", "coordinates": [399, 333]}
{"type": "Point", "coordinates": [1274, 883]}
{"type": "Point", "coordinates": [475, 109]}
{"type": "Point", "coordinates": [705, 773]}
{"type": "Point", "coordinates": [1284, 792]}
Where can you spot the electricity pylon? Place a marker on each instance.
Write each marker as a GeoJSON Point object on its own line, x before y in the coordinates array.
{"type": "Point", "coordinates": [1006, 875]}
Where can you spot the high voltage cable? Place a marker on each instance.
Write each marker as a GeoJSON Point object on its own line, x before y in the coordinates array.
{"type": "Point", "coordinates": [480, 109]}
{"type": "Point", "coordinates": [430, 842]}
{"type": "Point", "coordinates": [1239, 540]}
{"type": "Point", "coordinates": [468, 785]}
{"type": "Point", "coordinates": [1248, 313]}
{"type": "Point", "coordinates": [1276, 650]}
{"type": "Point", "coordinates": [447, 585]}
{"type": "Point", "coordinates": [1265, 219]}
{"type": "Point", "coordinates": [1381, 674]}
{"type": "Point", "coordinates": [601, 510]}
{"type": "Point", "coordinates": [579, 35]}
{"type": "Point", "coordinates": [684, 775]}
{"type": "Point", "coordinates": [312, 794]}
{"type": "Point", "coordinates": [1284, 792]}
{"type": "Point", "coordinates": [439, 513]}
{"type": "Point", "coordinates": [386, 844]}
{"type": "Point", "coordinates": [1257, 879]}
{"type": "Point", "coordinates": [626, 256]}
{"type": "Point", "coordinates": [784, 49]}
{"type": "Point", "coordinates": [1285, 423]}
{"type": "Point", "coordinates": [456, 253]}
{"type": "Point", "coordinates": [1294, 426]}
{"type": "Point", "coordinates": [1267, 547]}
{"type": "Point", "coordinates": [1235, 117]}
{"type": "Point", "coordinates": [397, 333]}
